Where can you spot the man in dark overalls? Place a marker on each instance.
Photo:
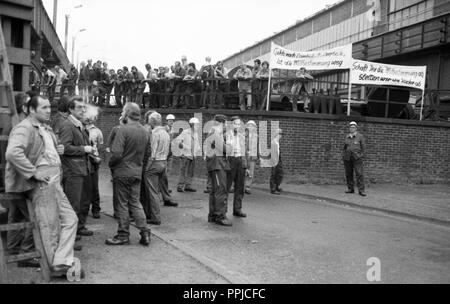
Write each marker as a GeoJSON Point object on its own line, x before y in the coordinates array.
{"type": "Point", "coordinates": [353, 154]}
{"type": "Point", "coordinates": [217, 166]}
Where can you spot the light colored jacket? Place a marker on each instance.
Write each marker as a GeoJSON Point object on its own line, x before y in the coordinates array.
{"type": "Point", "coordinates": [25, 148]}
{"type": "Point", "coordinates": [187, 145]}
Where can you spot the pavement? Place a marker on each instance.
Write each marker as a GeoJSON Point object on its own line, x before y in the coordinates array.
{"type": "Point", "coordinates": [429, 203]}
{"type": "Point", "coordinates": [291, 238]}
{"type": "Point", "coordinates": [423, 202]}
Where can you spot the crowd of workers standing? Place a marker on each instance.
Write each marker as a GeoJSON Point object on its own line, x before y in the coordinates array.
{"type": "Point", "coordinates": [54, 162]}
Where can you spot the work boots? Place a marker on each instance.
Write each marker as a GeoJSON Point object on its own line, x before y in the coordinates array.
{"type": "Point", "coordinates": [145, 238]}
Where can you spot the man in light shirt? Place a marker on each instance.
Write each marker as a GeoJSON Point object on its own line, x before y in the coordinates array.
{"type": "Point", "coordinates": [244, 75]}
{"type": "Point", "coordinates": [60, 77]}
{"type": "Point", "coordinates": [238, 162]}
{"type": "Point", "coordinates": [156, 167]}
{"type": "Point", "coordinates": [187, 143]}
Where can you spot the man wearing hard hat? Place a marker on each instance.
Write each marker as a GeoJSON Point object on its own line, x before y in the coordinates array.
{"type": "Point", "coordinates": [353, 154]}
{"type": "Point", "coordinates": [189, 145]}
{"type": "Point", "coordinates": [169, 129]}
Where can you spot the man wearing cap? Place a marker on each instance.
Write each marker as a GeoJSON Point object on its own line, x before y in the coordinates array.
{"type": "Point", "coordinates": [251, 145]}
{"type": "Point", "coordinates": [353, 154]}
{"type": "Point", "coordinates": [217, 166]}
{"type": "Point", "coordinates": [238, 164]}
{"type": "Point", "coordinates": [128, 151]}
{"type": "Point", "coordinates": [169, 128]}
{"type": "Point", "coordinates": [189, 146]}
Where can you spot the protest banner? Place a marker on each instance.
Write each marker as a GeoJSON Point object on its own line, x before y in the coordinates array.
{"type": "Point", "coordinates": [339, 58]}
{"type": "Point", "coordinates": [373, 73]}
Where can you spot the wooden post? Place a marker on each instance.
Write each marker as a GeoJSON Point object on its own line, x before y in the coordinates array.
{"type": "Point", "coordinates": [45, 268]}
{"type": "Point", "coordinates": [268, 90]}
{"type": "Point", "coordinates": [349, 95]}
{"type": "Point", "coordinates": [421, 107]}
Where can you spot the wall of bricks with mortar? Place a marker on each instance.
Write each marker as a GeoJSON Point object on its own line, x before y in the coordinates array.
{"type": "Point", "coordinates": [398, 151]}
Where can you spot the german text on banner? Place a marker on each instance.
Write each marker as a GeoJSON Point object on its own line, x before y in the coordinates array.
{"type": "Point", "coordinates": [373, 73]}
{"type": "Point", "coordinates": [334, 59]}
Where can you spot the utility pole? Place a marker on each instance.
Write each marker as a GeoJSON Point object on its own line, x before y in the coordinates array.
{"type": "Point", "coordinates": [55, 12]}
{"type": "Point", "coordinates": [66, 32]}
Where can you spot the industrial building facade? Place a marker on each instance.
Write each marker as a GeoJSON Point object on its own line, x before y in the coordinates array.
{"type": "Point", "coordinates": [30, 39]}
{"type": "Point", "coordinates": [403, 32]}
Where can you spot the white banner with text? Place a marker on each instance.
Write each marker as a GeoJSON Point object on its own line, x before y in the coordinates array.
{"type": "Point", "coordinates": [373, 73]}
{"type": "Point", "coordinates": [339, 58]}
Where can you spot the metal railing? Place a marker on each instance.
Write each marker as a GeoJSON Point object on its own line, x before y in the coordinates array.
{"type": "Point", "coordinates": [319, 96]}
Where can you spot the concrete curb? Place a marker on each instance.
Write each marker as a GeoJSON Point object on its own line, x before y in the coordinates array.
{"type": "Point", "coordinates": [332, 201]}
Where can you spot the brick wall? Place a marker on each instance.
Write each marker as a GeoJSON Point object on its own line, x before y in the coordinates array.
{"type": "Point", "coordinates": [397, 151]}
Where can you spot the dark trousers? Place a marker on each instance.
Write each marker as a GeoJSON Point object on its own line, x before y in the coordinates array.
{"type": "Point", "coordinates": [164, 187]}
{"type": "Point", "coordinates": [127, 191]}
{"type": "Point", "coordinates": [276, 176]}
{"type": "Point", "coordinates": [139, 99]}
{"type": "Point", "coordinates": [221, 91]}
{"type": "Point", "coordinates": [95, 192]}
{"type": "Point", "coordinates": [208, 95]}
{"type": "Point", "coordinates": [153, 182]}
{"type": "Point", "coordinates": [186, 172]}
{"type": "Point", "coordinates": [237, 176]}
{"type": "Point", "coordinates": [218, 195]}
{"type": "Point", "coordinates": [209, 183]}
{"type": "Point", "coordinates": [356, 166]}
{"type": "Point", "coordinates": [180, 88]}
{"type": "Point", "coordinates": [256, 91]}
{"type": "Point", "coordinates": [155, 101]}
{"type": "Point", "coordinates": [19, 241]}
{"type": "Point", "coordinates": [78, 191]}
{"type": "Point", "coordinates": [118, 95]}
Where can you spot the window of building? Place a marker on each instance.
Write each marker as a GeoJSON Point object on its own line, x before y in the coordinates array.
{"type": "Point", "coordinates": [16, 75]}
{"type": "Point", "coordinates": [396, 5]}
{"type": "Point", "coordinates": [17, 29]}
{"type": "Point", "coordinates": [409, 14]}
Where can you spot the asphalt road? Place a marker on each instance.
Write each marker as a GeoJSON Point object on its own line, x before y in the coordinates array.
{"type": "Point", "coordinates": [295, 240]}
{"type": "Point", "coordinates": [283, 240]}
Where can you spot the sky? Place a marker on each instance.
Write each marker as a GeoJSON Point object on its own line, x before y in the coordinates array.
{"type": "Point", "coordinates": [159, 32]}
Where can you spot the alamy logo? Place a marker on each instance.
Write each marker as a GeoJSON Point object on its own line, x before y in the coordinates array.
{"type": "Point", "coordinates": [221, 139]}
{"type": "Point", "coordinates": [374, 272]}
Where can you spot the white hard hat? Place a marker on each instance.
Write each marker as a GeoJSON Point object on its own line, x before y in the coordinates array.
{"type": "Point", "coordinates": [251, 122]}
{"type": "Point", "coordinates": [194, 120]}
{"type": "Point", "coordinates": [353, 124]}
{"type": "Point", "coordinates": [170, 117]}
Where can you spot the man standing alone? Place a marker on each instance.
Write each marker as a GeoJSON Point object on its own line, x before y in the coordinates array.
{"type": "Point", "coordinates": [128, 152]}
{"type": "Point", "coordinates": [353, 154]}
